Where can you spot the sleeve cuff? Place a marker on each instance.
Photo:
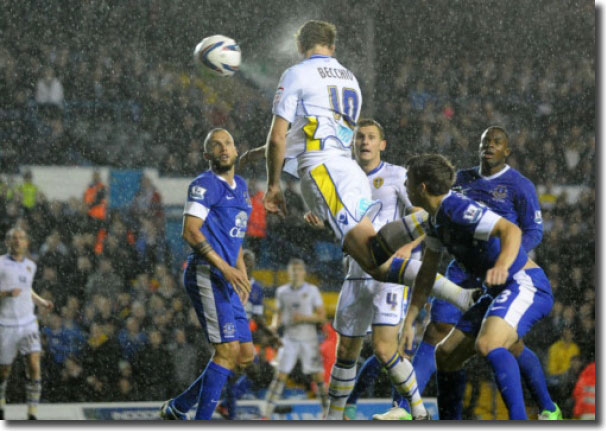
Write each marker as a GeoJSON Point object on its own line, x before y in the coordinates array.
{"type": "Point", "coordinates": [485, 225]}
{"type": "Point", "coordinates": [195, 209]}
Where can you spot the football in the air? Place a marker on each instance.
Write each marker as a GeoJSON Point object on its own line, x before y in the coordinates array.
{"type": "Point", "coordinates": [218, 53]}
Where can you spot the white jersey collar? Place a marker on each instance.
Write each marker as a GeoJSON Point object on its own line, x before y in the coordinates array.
{"type": "Point", "coordinates": [225, 181]}
{"type": "Point", "coordinates": [498, 174]}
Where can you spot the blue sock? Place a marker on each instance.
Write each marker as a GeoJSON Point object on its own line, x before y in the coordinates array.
{"type": "Point", "coordinates": [424, 364]}
{"type": "Point", "coordinates": [533, 375]}
{"type": "Point", "coordinates": [242, 386]}
{"type": "Point", "coordinates": [451, 389]}
{"type": "Point", "coordinates": [366, 376]}
{"type": "Point", "coordinates": [229, 399]}
{"type": "Point", "coordinates": [507, 374]}
{"type": "Point", "coordinates": [186, 400]}
{"type": "Point", "coordinates": [213, 380]}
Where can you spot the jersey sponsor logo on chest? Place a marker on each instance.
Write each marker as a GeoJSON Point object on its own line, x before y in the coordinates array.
{"type": "Point", "coordinates": [239, 230]}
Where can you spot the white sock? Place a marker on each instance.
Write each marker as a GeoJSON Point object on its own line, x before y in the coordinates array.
{"type": "Point", "coordinates": [273, 394]}
{"type": "Point", "coordinates": [405, 381]}
{"type": "Point", "coordinates": [443, 288]}
{"type": "Point", "coordinates": [342, 380]}
{"type": "Point", "coordinates": [33, 389]}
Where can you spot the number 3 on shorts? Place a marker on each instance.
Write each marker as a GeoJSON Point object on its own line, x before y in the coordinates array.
{"type": "Point", "coordinates": [503, 296]}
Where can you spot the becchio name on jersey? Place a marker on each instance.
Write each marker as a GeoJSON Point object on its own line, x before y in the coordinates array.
{"type": "Point", "coordinates": [331, 72]}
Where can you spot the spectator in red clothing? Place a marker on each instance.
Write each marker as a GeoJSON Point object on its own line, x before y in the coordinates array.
{"type": "Point", "coordinates": [584, 394]}
{"type": "Point", "coordinates": [257, 222]}
{"type": "Point", "coordinates": [328, 349]}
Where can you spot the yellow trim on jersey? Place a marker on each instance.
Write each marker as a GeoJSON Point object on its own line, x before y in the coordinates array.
{"type": "Point", "coordinates": [312, 144]}
{"type": "Point", "coordinates": [418, 227]}
{"type": "Point", "coordinates": [322, 179]}
{"type": "Point", "coordinates": [405, 294]}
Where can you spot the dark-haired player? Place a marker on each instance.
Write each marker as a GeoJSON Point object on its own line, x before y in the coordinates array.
{"type": "Point", "coordinates": [487, 246]}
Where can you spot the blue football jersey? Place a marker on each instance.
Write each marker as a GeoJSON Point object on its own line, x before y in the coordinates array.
{"type": "Point", "coordinates": [225, 211]}
{"type": "Point", "coordinates": [509, 194]}
{"type": "Point", "coordinates": [254, 306]}
{"type": "Point", "coordinates": [463, 226]}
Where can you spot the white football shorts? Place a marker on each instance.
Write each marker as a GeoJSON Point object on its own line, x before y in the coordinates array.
{"type": "Point", "coordinates": [338, 191]}
{"type": "Point", "coordinates": [24, 339]}
{"type": "Point", "coordinates": [366, 302]}
{"type": "Point", "coordinates": [307, 351]}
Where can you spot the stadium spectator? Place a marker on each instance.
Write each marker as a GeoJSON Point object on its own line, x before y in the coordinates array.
{"type": "Point", "coordinates": [27, 192]}
{"type": "Point", "coordinates": [104, 280]}
{"type": "Point", "coordinates": [49, 89]}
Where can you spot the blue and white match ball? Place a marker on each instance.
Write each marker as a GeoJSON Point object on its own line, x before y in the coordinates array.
{"type": "Point", "coordinates": [218, 53]}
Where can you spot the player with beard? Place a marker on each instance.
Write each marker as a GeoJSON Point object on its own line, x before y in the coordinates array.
{"type": "Point", "coordinates": [214, 225]}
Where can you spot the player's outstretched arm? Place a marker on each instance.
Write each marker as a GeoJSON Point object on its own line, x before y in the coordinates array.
{"type": "Point", "coordinates": [196, 240]}
{"type": "Point", "coordinates": [420, 292]}
{"type": "Point", "coordinates": [511, 239]}
{"type": "Point", "coordinates": [41, 302]}
{"type": "Point", "coordinates": [274, 154]}
{"type": "Point", "coordinates": [251, 156]}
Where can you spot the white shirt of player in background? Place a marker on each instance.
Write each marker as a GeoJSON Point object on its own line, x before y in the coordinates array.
{"type": "Point", "coordinates": [322, 101]}
{"type": "Point", "coordinates": [17, 310]}
{"type": "Point", "coordinates": [387, 185]}
{"type": "Point", "coordinates": [303, 300]}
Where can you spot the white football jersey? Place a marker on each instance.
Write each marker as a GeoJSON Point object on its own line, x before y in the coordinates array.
{"type": "Point", "coordinates": [303, 300]}
{"type": "Point", "coordinates": [387, 185]}
{"type": "Point", "coordinates": [17, 310]}
{"type": "Point", "coordinates": [322, 101]}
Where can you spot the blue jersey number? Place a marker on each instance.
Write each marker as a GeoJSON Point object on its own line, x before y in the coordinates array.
{"type": "Point", "coordinates": [350, 101]}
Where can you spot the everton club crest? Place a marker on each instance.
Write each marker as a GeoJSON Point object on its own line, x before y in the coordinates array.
{"type": "Point", "coordinates": [499, 193]}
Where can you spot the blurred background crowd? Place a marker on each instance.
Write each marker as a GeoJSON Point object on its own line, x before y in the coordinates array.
{"type": "Point", "coordinates": [86, 84]}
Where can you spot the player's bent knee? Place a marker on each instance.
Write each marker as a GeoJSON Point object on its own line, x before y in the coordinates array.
{"type": "Point", "coordinates": [384, 351]}
{"type": "Point", "coordinates": [436, 332]}
{"type": "Point", "coordinates": [485, 345]}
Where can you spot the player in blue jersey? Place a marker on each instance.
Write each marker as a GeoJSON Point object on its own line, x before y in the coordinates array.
{"type": "Point", "coordinates": [512, 196]}
{"type": "Point", "coordinates": [237, 386]}
{"type": "Point", "coordinates": [488, 247]}
{"type": "Point", "coordinates": [214, 225]}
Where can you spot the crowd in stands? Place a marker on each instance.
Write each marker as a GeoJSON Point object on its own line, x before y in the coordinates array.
{"type": "Point", "coordinates": [122, 327]}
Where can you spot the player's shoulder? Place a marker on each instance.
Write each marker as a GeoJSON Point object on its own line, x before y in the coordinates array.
{"type": "Point", "coordinates": [205, 178]}
{"type": "Point", "coordinates": [394, 170]}
{"type": "Point", "coordinates": [30, 263]}
{"type": "Point", "coordinates": [518, 178]}
{"type": "Point", "coordinates": [240, 181]}
{"type": "Point", "coordinates": [310, 286]}
{"type": "Point", "coordinates": [467, 174]}
{"type": "Point", "coordinates": [282, 289]}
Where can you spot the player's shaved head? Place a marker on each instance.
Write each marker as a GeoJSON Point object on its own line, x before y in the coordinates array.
{"type": "Point", "coordinates": [496, 128]}
{"type": "Point", "coordinates": [211, 134]}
